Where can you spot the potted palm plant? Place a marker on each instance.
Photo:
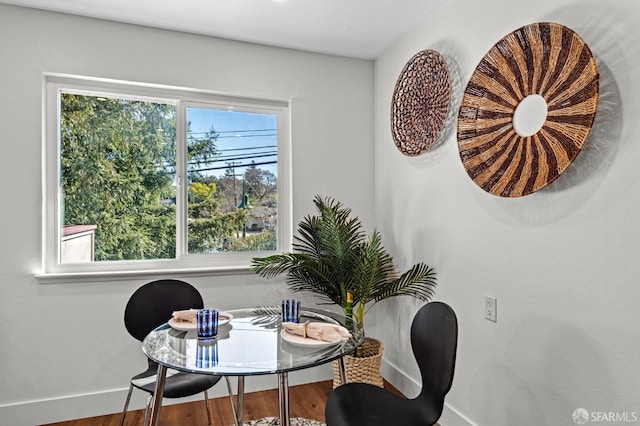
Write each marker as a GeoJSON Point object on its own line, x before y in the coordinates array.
{"type": "Point", "coordinates": [334, 259]}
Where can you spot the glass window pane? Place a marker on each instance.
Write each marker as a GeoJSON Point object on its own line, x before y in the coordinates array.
{"type": "Point", "coordinates": [117, 179]}
{"type": "Point", "coordinates": [232, 172]}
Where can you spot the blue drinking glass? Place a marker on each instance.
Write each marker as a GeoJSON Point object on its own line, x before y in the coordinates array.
{"type": "Point", "coordinates": [207, 323]}
{"type": "Point", "coordinates": [290, 310]}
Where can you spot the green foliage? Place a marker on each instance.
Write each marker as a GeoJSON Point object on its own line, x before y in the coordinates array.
{"type": "Point", "coordinates": [202, 192]}
{"type": "Point", "coordinates": [333, 255]}
{"type": "Point", "coordinates": [112, 159]}
{"type": "Point", "coordinates": [201, 151]}
{"type": "Point", "coordinates": [265, 240]}
{"type": "Point", "coordinates": [207, 235]}
{"type": "Point", "coordinates": [117, 172]}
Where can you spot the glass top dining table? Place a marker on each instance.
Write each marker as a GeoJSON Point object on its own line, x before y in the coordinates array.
{"type": "Point", "coordinates": [251, 343]}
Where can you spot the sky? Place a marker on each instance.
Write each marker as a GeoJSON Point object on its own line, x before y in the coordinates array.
{"type": "Point", "coordinates": [243, 137]}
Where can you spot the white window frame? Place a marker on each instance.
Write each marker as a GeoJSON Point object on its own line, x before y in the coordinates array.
{"type": "Point", "coordinates": [183, 264]}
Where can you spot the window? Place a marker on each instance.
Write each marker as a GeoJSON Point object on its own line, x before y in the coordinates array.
{"type": "Point", "coordinates": [145, 178]}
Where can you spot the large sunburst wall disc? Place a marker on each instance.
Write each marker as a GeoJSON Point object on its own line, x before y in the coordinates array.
{"type": "Point", "coordinates": [545, 59]}
{"type": "Point", "coordinates": [420, 103]}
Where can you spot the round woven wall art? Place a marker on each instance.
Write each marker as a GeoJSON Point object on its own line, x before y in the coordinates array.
{"type": "Point", "coordinates": [545, 59]}
{"type": "Point", "coordinates": [420, 104]}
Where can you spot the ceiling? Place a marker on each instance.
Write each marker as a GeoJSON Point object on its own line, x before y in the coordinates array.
{"type": "Point", "coordinates": [354, 28]}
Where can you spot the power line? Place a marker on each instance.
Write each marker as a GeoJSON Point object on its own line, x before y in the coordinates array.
{"type": "Point", "coordinates": [236, 136]}
{"type": "Point", "coordinates": [232, 157]}
{"type": "Point", "coordinates": [219, 159]}
{"type": "Point", "coordinates": [236, 166]}
{"type": "Point", "coordinates": [246, 136]}
{"type": "Point", "coordinates": [233, 131]}
{"type": "Point", "coordinates": [248, 148]}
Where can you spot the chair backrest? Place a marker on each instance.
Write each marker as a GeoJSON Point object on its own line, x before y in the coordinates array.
{"type": "Point", "coordinates": [153, 304]}
{"type": "Point", "coordinates": [434, 340]}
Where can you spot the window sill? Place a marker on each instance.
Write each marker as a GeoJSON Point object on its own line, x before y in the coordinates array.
{"type": "Point", "coordinates": [75, 277]}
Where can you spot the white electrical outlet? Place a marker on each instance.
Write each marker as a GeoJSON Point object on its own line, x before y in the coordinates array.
{"type": "Point", "coordinates": [491, 308]}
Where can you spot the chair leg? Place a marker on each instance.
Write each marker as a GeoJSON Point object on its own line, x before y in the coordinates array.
{"type": "Point", "coordinates": [233, 407]}
{"type": "Point", "coordinates": [146, 410]}
{"type": "Point", "coordinates": [126, 405]}
{"type": "Point", "coordinates": [206, 404]}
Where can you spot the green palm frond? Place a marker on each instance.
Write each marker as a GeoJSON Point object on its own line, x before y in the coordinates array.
{"type": "Point", "coordinates": [272, 266]}
{"type": "Point", "coordinates": [333, 256]}
{"type": "Point", "coordinates": [315, 281]}
{"type": "Point", "coordinates": [418, 282]}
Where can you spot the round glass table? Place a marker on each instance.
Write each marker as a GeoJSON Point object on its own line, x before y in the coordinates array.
{"type": "Point", "coordinates": [252, 343]}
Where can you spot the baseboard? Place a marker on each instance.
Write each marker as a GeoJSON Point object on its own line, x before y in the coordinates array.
{"type": "Point", "coordinates": [452, 417]}
{"type": "Point", "coordinates": [411, 388]}
{"type": "Point", "coordinates": [71, 407]}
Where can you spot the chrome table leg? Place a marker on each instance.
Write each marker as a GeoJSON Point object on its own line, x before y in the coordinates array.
{"type": "Point", "coordinates": [156, 404]}
{"type": "Point", "coordinates": [283, 394]}
{"type": "Point", "coordinates": [240, 400]}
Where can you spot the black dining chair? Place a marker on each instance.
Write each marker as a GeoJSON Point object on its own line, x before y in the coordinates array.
{"type": "Point", "coordinates": [434, 340]}
{"type": "Point", "coordinates": [149, 307]}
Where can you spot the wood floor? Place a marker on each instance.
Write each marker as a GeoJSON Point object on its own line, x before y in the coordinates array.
{"type": "Point", "coordinates": [306, 401]}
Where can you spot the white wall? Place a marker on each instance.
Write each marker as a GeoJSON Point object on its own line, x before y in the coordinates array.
{"type": "Point", "coordinates": [562, 262]}
{"type": "Point", "coordinates": [64, 352]}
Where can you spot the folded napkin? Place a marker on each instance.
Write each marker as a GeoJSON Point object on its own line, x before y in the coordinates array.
{"type": "Point", "coordinates": [317, 331]}
{"type": "Point", "coordinates": [186, 316]}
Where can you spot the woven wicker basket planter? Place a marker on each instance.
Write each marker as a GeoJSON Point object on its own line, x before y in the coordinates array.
{"type": "Point", "coordinates": [365, 369]}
